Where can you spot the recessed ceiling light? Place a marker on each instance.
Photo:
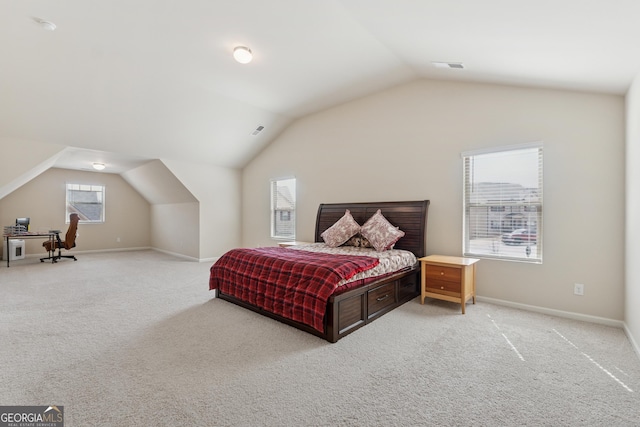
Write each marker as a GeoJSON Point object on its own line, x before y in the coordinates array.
{"type": "Point", "coordinates": [98, 166]}
{"type": "Point", "coordinates": [457, 65]}
{"type": "Point", "coordinates": [242, 54]}
{"type": "Point", "coordinates": [46, 25]}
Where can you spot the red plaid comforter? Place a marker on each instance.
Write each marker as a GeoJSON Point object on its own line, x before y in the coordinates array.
{"type": "Point", "coordinates": [291, 283]}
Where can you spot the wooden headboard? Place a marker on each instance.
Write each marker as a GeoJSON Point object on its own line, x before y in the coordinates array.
{"type": "Point", "coordinates": [411, 217]}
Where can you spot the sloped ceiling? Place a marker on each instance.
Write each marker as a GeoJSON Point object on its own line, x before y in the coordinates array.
{"type": "Point", "coordinates": [157, 184]}
{"type": "Point", "coordinates": [150, 79]}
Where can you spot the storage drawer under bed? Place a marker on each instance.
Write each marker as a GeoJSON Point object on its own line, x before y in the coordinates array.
{"type": "Point", "coordinates": [380, 298]}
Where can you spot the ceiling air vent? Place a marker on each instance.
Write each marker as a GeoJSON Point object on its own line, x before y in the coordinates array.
{"type": "Point", "coordinates": [457, 65]}
{"type": "Point", "coordinates": [258, 130]}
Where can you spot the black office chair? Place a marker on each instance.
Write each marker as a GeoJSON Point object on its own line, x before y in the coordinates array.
{"type": "Point", "coordinates": [68, 243]}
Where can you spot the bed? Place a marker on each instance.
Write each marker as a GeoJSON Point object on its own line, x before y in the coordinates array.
{"type": "Point", "coordinates": [249, 277]}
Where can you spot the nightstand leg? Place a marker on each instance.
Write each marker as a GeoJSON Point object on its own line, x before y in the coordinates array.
{"type": "Point", "coordinates": [473, 283]}
{"type": "Point", "coordinates": [463, 288]}
{"type": "Point", "coordinates": [423, 278]}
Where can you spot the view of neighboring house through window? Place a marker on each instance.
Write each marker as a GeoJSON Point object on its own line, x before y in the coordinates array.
{"type": "Point", "coordinates": [283, 208]}
{"type": "Point", "coordinates": [87, 201]}
{"type": "Point", "coordinates": [503, 203]}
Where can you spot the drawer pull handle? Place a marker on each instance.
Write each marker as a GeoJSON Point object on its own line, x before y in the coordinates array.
{"type": "Point", "coordinates": [382, 298]}
{"type": "Point", "coordinates": [442, 273]}
{"type": "Point", "coordinates": [441, 287]}
{"type": "Point", "coordinates": [406, 285]}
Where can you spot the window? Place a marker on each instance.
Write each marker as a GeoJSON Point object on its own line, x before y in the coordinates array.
{"type": "Point", "coordinates": [503, 203]}
{"type": "Point", "coordinates": [283, 208]}
{"type": "Point", "coordinates": [285, 215]}
{"type": "Point", "coordinates": [87, 201]}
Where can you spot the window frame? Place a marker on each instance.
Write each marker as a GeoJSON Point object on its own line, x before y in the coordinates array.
{"type": "Point", "coordinates": [96, 188]}
{"type": "Point", "coordinates": [288, 201]}
{"type": "Point", "coordinates": [524, 211]}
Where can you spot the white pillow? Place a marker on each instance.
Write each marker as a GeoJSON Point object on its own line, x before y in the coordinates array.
{"type": "Point", "coordinates": [343, 229]}
{"type": "Point", "coordinates": [380, 232]}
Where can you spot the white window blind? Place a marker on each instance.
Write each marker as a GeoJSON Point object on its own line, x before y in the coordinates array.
{"type": "Point", "coordinates": [503, 203]}
{"type": "Point", "coordinates": [283, 208]}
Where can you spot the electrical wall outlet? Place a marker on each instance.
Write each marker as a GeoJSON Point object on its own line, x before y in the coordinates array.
{"type": "Point", "coordinates": [578, 289]}
{"type": "Point", "coordinates": [117, 239]}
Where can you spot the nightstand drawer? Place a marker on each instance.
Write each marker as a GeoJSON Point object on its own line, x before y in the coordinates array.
{"type": "Point", "coordinates": [450, 274]}
{"type": "Point", "coordinates": [437, 285]}
{"type": "Point", "coordinates": [381, 297]}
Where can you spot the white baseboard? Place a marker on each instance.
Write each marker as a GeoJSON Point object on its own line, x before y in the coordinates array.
{"type": "Point", "coordinates": [185, 256]}
{"type": "Point", "coordinates": [142, 248]}
{"type": "Point", "coordinates": [177, 255]}
{"type": "Point", "coordinates": [569, 315]}
{"type": "Point", "coordinates": [553, 312]}
{"type": "Point", "coordinates": [94, 251]}
{"type": "Point", "coordinates": [633, 342]}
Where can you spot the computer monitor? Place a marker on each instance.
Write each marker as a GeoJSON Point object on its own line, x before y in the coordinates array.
{"type": "Point", "coordinates": [24, 222]}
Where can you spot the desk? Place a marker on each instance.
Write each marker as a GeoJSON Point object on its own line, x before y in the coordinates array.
{"type": "Point", "coordinates": [29, 235]}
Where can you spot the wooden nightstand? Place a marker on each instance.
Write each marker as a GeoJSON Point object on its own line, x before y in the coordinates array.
{"type": "Point", "coordinates": [448, 278]}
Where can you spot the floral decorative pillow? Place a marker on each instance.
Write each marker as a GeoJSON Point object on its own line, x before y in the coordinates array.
{"type": "Point", "coordinates": [343, 229]}
{"type": "Point", "coordinates": [380, 232]}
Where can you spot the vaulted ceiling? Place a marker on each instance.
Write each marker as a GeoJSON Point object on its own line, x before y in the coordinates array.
{"type": "Point", "coordinates": [131, 80]}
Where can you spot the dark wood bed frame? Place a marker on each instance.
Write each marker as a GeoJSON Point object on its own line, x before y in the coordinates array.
{"type": "Point", "coordinates": [349, 311]}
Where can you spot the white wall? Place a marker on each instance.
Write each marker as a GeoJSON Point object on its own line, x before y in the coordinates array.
{"type": "Point", "coordinates": [632, 246]}
{"type": "Point", "coordinates": [190, 209]}
{"type": "Point", "coordinates": [23, 160]}
{"type": "Point", "coordinates": [218, 193]}
{"type": "Point", "coordinates": [175, 228]}
{"type": "Point", "coordinates": [43, 199]}
{"type": "Point", "coordinates": [174, 217]}
{"type": "Point", "coordinates": [405, 144]}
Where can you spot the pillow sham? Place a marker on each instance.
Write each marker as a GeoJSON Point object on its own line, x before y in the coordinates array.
{"type": "Point", "coordinates": [341, 231]}
{"type": "Point", "coordinates": [380, 232]}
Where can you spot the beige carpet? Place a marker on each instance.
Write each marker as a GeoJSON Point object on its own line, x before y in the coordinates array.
{"type": "Point", "coordinates": [134, 339]}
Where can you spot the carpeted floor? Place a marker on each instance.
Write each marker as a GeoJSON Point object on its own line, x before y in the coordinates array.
{"type": "Point", "coordinates": [135, 339]}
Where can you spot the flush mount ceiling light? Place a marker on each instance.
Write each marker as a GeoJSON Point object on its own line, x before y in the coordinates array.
{"type": "Point", "coordinates": [242, 54]}
{"type": "Point", "coordinates": [98, 166]}
{"type": "Point", "coordinates": [46, 25]}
